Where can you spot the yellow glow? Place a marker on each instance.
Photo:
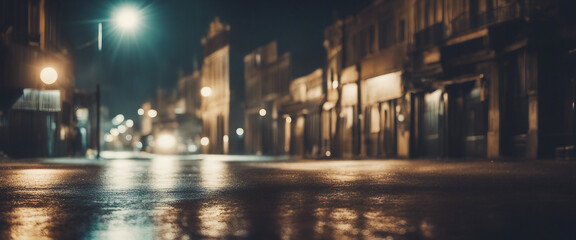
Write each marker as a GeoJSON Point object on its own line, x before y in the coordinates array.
{"type": "Point", "coordinates": [31, 223]}
{"type": "Point", "coordinates": [48, 75]}
{"type": "Point", "coordinates": [152, 113]}
{"type": "Point", "coordinates": [127, 18]}
{"type": "Point", "coordinates": [288, 119]}
{"type": "Point", "coordinates": [213, 173]}
{"type": "Point", "coordinates": [117, 177]}
{"type": "Point", "coordinates": [225, 138]}
{"type": "Point", "coordinates": [163, 170]}
{"type": "Point", "coordinates": [206, 91]}
{"type": "Point", "coordinates": [166, 141]}
{"type": "Point", "coordinates": [204, 141]}
{"type": "Point", "coordinates": [82, 114]}
{"type": "Point", "coordinates": [262, 112]}
{"type": "Point", "coordinates": [334, 84]}
{"type": "Point", "coordinates": [140, 111]}
{"type": "Point", "coordinates": [328, 153]}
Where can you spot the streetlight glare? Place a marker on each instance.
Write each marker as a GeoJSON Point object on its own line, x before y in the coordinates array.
{"type": "Point", "coordinates": [204, 141]}
{"type": "Point", "coordinates": [127, 18]}
{"type": "Point", "coordinates": [206, 91]}
{"type": "Point", "coordinates": [166, 141]}
{"type": "Point", "coordinates": [122, 129]}
{"type": "Point", "coordinates": [48, 75]}
{"type": "Point", "coordinates": [239, 131]}
{"type": "Point", "coordinates": [262, 112]}
{"type": "Point", "coordinates": [152, 113]}
{"type": "Point", "coordinates": [140, 111]}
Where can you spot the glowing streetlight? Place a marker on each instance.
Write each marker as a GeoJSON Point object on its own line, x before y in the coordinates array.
{"type": "Point", "coordinates": [122, 129]}
{"type": "Point", "coordinates": [48, 75]}
{"type": "Point", "coordinates": [166, 141]}
{"type": "Point", "coordinates": [140, 111]}
{"type": "Point", "coordinates": [127, 18]}
{"type": "Point", "coordinates": [118, 119]}
{"type": "Point", "coordinates": [262, 112]}
{"type": "Point", "coordinates": [152, 113]}
{"type": "Point", "coordinates": [239, 131]}
{"type": "Point", "coordinates": [206, 91]}
{"type": "Point", "coordinates": [114, 132]}
{"type": "Point", "coordinates": [205, 141]}
{"type": "Point", "coordinates": [288, 119]}
{"type": "Point", "coordinates": [129, 123]}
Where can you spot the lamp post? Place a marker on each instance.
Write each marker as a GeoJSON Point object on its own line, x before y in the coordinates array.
{"type": "Point", "coordinates": [125, 18]}
{"type": "Point", "coordinates": [48, 75]}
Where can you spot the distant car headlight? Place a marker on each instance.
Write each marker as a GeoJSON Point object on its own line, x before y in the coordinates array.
{"type": "Point", "coordinates": [166, 141]}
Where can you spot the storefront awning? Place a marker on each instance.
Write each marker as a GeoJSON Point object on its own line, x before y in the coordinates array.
{"type": "Point", "coordinates": [38, 100]}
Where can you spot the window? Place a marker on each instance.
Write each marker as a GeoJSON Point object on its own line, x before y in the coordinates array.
{"type": "Point", "coordinates": [34, 20]}
{"type": "Point", "coordinates": [401, 31]}
{"type": "Point", "coordinates": [371, 39]}
{"type": "Point", "coordinates": [387, 34]}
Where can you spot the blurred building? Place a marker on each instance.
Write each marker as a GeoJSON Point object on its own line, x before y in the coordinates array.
{"type": "Point", "coordinates": [215, 88]}
{"type": "Point", "coordinates": [85, 114]}
{"type": "Point", "coordinates": [302, 116]}
{"type": "Point", "coordinates": [36, 119]}
{"type": "Point", "coordinates": [490, 70]}
{"type": "Point", "coordinates": [367, 106]}
{"type": "Point", "coordinates": [267, 78]}
{"type": "Point", "coordinates": [474, 78]}
{"type": "Point", "coordinates": [188, 112]}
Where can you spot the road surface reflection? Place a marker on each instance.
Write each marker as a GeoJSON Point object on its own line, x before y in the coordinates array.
{"type": "Point", "coordinates": [172, 198]}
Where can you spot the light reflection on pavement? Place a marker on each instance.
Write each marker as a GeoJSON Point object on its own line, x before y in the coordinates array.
{"type": "Point", "coordinates": [206, 197]}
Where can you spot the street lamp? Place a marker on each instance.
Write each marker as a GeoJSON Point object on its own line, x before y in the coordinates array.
{"type": "Point", "coordinates": [206, 91]}
{"type": "Point", "coordinates": [152, 113]}
{"type": "Point", "coordinates": [48, 75]}
{"type": "Point", "coordinates": [127, 18]}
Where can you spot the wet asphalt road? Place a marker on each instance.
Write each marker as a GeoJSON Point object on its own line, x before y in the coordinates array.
{"type": "Point", "coordinates": [235, 198]}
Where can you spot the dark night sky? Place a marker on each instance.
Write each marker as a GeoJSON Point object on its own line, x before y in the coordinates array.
{"type": "Point", "coordinates": [131, 68]}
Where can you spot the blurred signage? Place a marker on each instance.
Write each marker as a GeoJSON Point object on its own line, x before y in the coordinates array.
{"type": "Point", "coordinates": [384, 87]}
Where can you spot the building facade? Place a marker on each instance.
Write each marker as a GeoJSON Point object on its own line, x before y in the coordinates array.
{"type": "Point", "coordinates": [301, 117]}
{"type": "Point", "coordinates": [215, 85]}
{"type": "Point", "coordinates": [267, 77]}
{"type": "Point", "coordinates": [36, 119]}
{"type": "Point", "coordinates": [464, 79]}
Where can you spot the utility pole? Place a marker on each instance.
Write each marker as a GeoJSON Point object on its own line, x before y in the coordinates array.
{"type": "Point", "coordinates": [98, 121]}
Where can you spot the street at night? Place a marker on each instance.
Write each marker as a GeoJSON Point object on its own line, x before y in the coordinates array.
{"type": "Point", "coordinates": [255, 119]}
{"type": "Point", "coordinates": [245, 197]}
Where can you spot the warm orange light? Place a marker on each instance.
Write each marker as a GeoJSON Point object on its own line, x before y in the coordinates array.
{"type": "Point", "coordinates": [48, 75]}
{"type": "Point", "coordinates": [152, 113]}
{"type": "Point", "coordinates": [204, 141]}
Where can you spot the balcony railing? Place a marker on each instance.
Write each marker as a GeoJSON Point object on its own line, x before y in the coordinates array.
{"type": "Point", "coordinates": [467, 21]}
